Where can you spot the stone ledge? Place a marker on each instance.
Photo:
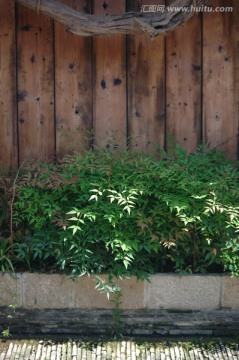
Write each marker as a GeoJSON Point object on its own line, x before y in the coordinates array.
{"type": "Point", "coordinates": [166, 291]}
{"type": "Point", "coordinates": [230, 292]}
{"type": "Point", "coordinates": [189, 292]}
{"type": "Point", "coordinates": [92, 322]}
{"type": "Point", "coordinates": [10, 289]}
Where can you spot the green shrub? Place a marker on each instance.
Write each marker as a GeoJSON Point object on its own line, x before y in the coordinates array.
{"type": "Point", "coordinates": [129, 213]}
{"type": "Point", "coordinates": [6, 263]}
{"type": "Point", "coordinates": [6, 183]}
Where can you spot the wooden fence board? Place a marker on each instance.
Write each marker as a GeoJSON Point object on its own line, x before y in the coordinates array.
{"type": "Point", "coordinates": [109, 85]}
{"type": "Point", "coordinates": [235, 86]}
{"type": "Point", "coordinates": [102, 83]}
{"type": "Point", "coordinates": [8, 132]}
{"type": "Point", "coordinates": [146, 86]}
{"type": "Point", "coordinates": [73, 86]}
{"type": "Point", "coordinates": [220, 111]}
{"type": "Point", "coordinates": [35, 85]}
{"type": "Point", "coordinates": [183, 84]}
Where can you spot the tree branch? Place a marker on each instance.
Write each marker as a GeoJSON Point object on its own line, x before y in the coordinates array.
{"type": "Point", "coordinates": [129, 23]}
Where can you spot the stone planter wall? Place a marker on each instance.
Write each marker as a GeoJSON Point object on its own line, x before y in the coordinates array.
{"type": "Point", "coordinates": [166, 291]}
{"type": "Point", "coordinates": [169, 305]}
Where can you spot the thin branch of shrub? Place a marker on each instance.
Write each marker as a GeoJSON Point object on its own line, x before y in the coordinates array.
{"type": "Point", "coordinates": [11, 206]}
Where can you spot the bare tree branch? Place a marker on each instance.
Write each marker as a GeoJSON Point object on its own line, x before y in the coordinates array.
{"type": "Point", "coordinates": [129, 23]}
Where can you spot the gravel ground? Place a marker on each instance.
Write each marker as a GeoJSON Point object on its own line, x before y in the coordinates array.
{"type": "Point", "coordinates": [118, 350]}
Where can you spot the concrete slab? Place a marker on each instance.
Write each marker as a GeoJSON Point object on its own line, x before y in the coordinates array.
{"type": "Point", "coordinates": [89, 297]}
{"type": "Point", "coordinates": [10, 289]}
{"type": "Point", "coordinates": [166, 291]}
{"type": "Point", "coordinates": [230, 292]}
{"type": "Point", "coordinates": [189, 292]}
{"type": "Point", "coordinates": [42, 291]}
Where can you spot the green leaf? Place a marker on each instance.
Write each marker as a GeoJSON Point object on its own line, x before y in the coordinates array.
{"type": "Point", "coordinates": [93, 197]}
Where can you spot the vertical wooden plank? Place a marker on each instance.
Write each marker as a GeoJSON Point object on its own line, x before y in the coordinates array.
{"type": "Point", "coordinates": [184, 84]}
{"type": "Point", "coordinates": [73, 86]}
{"type": "Point", "coordinates": [8, 132]}
{"type": "Point", "coordinates": [109, 84]}
{"type": "Point", "coordinates": [146, 86]}
{"type": "Point", "coordinates": [235, 34]}
{"type": "Point", "coordinates": [35, 85]}
{"type": "Point", "coordinates": [220, 73]}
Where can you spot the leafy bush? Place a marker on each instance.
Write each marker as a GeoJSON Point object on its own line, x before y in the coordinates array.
{"type": "Point", "coordinates": [5, 256]}
{"type": "Point", "coordinates": [129, 213]}
{"type": "Point", "coordinates": [6, 182]}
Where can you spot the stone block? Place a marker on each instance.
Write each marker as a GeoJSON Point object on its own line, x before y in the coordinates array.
{"type": "Point", "coordinates": [230, 292]}
{"type": "Point", "coordinates": [47, 291]}
{"type": "Point", "coordinates": [87, 296]}
{"type": "Point", "coordinates": [188, 332]}
{"type": "Point", "coordinates": [188, 292]}
{"type": "Point", "coordinates": [10, 289]}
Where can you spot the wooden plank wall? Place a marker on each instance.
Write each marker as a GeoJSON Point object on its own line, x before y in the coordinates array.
{"type": "Point", "coordinates": [146, 86]}
{"type": "Point", "coordinates": [109, 81]}
{"type": "Point", "coordinates": [74, 96]}
{"type": "Point", "coordinates": [35, 79]}
{"type": "Point", "coordinates": [56, 88]}
{"type": "Point", "coordinates": [8, 115]}
{"type": "Point", "coordinates": [184, 81]}
{"type": "Point", "coordinates": [220, 79]}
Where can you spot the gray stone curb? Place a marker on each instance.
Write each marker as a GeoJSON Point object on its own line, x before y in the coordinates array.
{"type": "Point", "coordinates": [165, 291]}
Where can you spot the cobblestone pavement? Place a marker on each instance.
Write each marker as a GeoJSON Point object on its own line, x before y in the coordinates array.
{"type": "Point", "coordinates": [121, 350]}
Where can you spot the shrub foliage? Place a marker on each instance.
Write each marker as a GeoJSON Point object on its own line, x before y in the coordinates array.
{"type": "Point", "coordinates": [125, 213]}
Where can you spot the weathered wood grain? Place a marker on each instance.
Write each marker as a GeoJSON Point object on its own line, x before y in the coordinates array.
{"type": "Point", "coordinates": [104, 98]}
{"type": "Point", "coordinates": [109, 84]}
{"type": "Point", "coordinates": [220, 79]}
{"type": "Point", "coordinates": [73, 92]}
{"type": "Point", "coordinates": [146, 87]}
{"type": "Point", "coordinates": [235, 85]}
{"type": "Point", "coordinates": [132, 23]}
{"type": "Point", "coordinates": [8, 131]}
{"type": "Point", "coordinates": [35, 91]}
{"type": "Point", "coordinates": [183, 84]}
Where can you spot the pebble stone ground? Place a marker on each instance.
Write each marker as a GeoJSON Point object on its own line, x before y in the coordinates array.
{"type": "Point", "coordinates": [117, 350]}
